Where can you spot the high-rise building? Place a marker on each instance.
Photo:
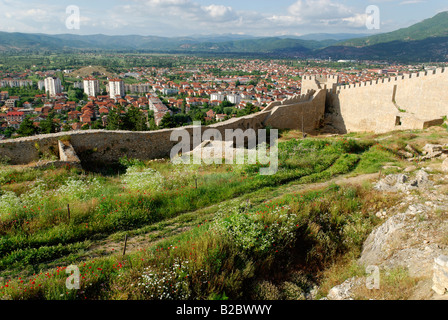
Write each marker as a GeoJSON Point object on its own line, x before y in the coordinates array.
{"type": "Point", "coordinates": [91, 87]}
{"type": "Point", "coordinates": [78, 85]}
{"type": "Point", "coordinates": [53, 86]}
{"type": "Point", "coordinates": [217, 96]}
{"type": "Point", "coordinates": [116, 88]}
{"type": "Point", "coordinates": [41, 84]}
{"type": "Point", "coordinates": [234, 98]}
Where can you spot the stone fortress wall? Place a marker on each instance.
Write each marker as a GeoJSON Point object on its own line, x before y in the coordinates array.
{"type": "Point", "coordinates": [412, 101]}
{"type": "Point", "coordinates": [109, 146]}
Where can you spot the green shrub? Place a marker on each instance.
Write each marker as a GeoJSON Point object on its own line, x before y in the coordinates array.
{"type": "Point", "coordinates": [128, 162]}
{"type": "Point", "coordinates": [4, 160]}
{"type": "Point", "coordinates": [291, 291]}
{"type": "Point", "coordinates": [265, 290]}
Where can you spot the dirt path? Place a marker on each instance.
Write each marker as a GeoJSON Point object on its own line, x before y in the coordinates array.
{"type": "Point", "coordinates": [344, 179]}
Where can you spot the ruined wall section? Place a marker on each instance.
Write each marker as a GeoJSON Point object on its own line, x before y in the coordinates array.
{"type": "Point", "coordinates": [297, 98]}
{"type": "Point", "coordinates": [109, 146]}
{"type": "Point", "coordinates": [308, 115]}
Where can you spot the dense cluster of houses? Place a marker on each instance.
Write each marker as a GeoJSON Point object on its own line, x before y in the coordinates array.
{"type": "Point", "coordinates": [76, 115]}
{"type": "Point", "coordinates": [165, 90]}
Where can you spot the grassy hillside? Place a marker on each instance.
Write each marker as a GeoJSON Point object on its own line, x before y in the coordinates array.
{"type": "Point", "coordinates": [430, 49]}
{"type": "Point", "coordinates": [265, 45]}
{"type": "Point", "coordinates": [211, 231]}
{"type": "Point", "coordinates": [436, 26]}
{"type": "Point", "coordinates": [89, 71]}
{"type": "Point", "coordinates": [21, 41]}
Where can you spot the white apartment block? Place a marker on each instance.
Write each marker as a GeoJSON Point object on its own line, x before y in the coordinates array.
{"type": "Point", "coordinates": [169, 91]}
{"type": "Point", "coordinates": [15, 83]}
{"type": "Point", "coordinates": [234, 98]}
{"type": "Point", "coordinates": [78, 85]}
{"type": "Point", "coordinates": [53, 86]}
{"type": "Point", "coordinates": [217, 97]}
{"type": "Point", "coordinates": [91, 87]}
{"type": "Point", "coordinates": [116, 88]}
{"type": "Point", "coordinates": [41, 84]}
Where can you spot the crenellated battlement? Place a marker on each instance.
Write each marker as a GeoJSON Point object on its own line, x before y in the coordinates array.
{"type": "Point", "coordinates": [319, 77]}
{"type": "Point", "coordinates": [400, 102]}
{"type": "Point", "coordinates": [297, 98]}
{"type": "Point", "coordinates": [413, 76]}
{"type": "Point", "coordinates": [318, 82]}
{"type": "Point", "coordinates": [411, 101]}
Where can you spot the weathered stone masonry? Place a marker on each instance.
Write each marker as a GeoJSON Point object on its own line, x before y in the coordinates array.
{"type": "Point", "coordinates": [412, 101]}
{"type": "Point", "coordinates": [109, 146]}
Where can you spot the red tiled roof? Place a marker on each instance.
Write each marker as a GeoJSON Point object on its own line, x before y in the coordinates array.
{"type": "Point", "coordinates": [14, 114]}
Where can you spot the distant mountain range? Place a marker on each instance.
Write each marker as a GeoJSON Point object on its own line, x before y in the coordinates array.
{"type": "Point", "coordinates": [424, 41]}
{"type": "Point", "coordinates": [434, 27]}
{"type": "Point", "coordinates": [228, 43]}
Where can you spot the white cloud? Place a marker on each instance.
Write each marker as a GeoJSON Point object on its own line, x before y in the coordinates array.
{"type": "Point", "coordinates": [31, 17]}
{"type": "Point", "coordinates": [320, 12]}
{"type": "Point", "coordinates": [183, 10]}
{"type": "Point", "coordinates": [411, 2]}
{"type": "Point", "coordinates": [319, 9]}
{"type": "Point", "coordinates": [220, 12]}
{"type": "Point", "coordinates": [177, 17]}
{"type": "Point", "coordinates": [186, 17]}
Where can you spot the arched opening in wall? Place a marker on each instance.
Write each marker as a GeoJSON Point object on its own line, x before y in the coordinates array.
{"type": "Point", "coordinates": [398, 121]}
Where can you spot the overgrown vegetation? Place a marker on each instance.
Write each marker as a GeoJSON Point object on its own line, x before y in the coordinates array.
{"type": "Point", "coordinates": [234, 254]}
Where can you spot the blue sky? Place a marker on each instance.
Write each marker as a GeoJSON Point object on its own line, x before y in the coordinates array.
{"type": "Point", "coordinates": [189, 17]}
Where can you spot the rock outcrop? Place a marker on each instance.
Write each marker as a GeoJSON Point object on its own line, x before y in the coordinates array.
{"type": "Point", "coordinates": [403, 182]}
{"type": "Point", "coordinates": [440, 279]}
{"type": "Point", "coordinates": [413, 235]}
